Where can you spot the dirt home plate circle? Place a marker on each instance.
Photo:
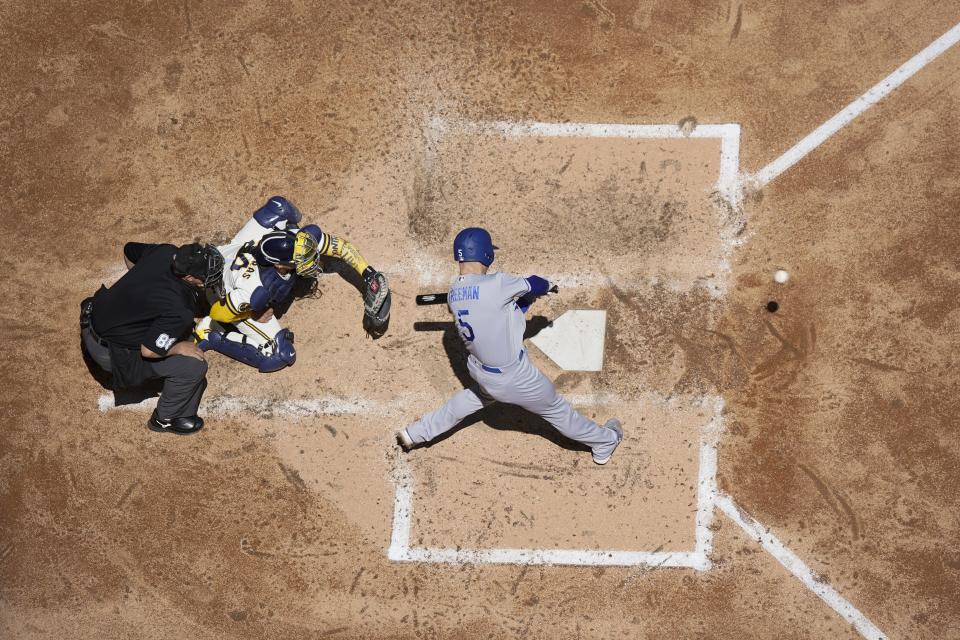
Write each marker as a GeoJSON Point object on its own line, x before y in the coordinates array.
{"type": "Point", "coordinates": [785, 465]}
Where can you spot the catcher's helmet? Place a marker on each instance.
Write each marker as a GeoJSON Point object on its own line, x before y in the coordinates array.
{"type": "Point", "coordinates": [291, 249]}
{"type": "Point", "coordinates": [305, 254]}
{"type": "Point", "coordinates": [276, 248]}
{"type": "Point", "coordinates": [474, 244]}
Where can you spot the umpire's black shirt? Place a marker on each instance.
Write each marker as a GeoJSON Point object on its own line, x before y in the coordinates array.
{"type": "Point", "coordinates": [149, 305]}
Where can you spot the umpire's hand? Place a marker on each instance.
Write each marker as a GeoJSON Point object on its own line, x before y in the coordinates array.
{"type": "Point", "coordinates": [186, 348]}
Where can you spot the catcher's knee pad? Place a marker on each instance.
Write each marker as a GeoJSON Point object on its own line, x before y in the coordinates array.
{"type": "Point", "coordinates": [276, 209]}
{"type": "Point", "coordinates": [273, 356]}
{"type": "Point", "coordinates": [283, 354]}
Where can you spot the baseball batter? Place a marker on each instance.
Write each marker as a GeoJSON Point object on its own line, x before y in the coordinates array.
{"type": "Point", "coordinates": [489, 311]}
{"type": "Point", "coordinates": [262, 264]}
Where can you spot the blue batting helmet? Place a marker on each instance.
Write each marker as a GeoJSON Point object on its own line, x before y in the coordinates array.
{"type": "Point", "coordinates": [473, 244]}
{"type": "Point", "coordinates": [275, 248]}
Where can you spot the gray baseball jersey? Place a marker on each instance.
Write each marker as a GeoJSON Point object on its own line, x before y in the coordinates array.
{"type": "Point", "coordinates": [491, 323]}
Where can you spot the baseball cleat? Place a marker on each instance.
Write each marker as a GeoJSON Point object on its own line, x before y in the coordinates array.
{"type": "Point", "coordinates": [404, 440]}
{"type": "Point", "coordinates": [614, 425]}
{"type": "Point", "coordinates": [182, 426]}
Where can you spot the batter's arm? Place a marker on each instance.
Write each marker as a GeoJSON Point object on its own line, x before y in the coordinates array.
{"type": "Point", "coordinates": [538, 287]}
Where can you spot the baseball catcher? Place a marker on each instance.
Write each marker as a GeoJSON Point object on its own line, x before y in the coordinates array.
{"type": "Point", "coordinates": [262, 265]}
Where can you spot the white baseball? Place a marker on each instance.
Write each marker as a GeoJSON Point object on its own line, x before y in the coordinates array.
{"type": "Point", "coordinates": [781, 276]}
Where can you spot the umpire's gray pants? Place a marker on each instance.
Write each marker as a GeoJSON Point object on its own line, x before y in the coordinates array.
{"type": "Point", "coordinates": [184, 378]}
{"type": "Point", "coordinates": [521, 384]}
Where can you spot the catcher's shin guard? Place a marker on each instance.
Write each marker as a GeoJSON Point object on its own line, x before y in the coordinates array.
{"type": "Point", "coordinates": [273, 356]}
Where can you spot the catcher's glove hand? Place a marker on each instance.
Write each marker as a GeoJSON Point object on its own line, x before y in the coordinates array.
{"type": "Point", "coordinates": [376, 303]}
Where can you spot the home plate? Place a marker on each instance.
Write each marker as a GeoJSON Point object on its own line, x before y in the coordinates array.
{"type": "Point", "coordinates": [574, 341]}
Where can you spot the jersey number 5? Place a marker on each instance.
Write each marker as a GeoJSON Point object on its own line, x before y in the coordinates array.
{"type": "Point", "coordinates": [467, 331]}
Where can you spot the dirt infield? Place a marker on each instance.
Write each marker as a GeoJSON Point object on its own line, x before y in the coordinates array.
{"type": "Point", "coordinates": [170, 121]}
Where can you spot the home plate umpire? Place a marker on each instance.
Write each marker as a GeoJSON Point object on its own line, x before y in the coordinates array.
{"type": "Point", "coordinates": [140, 328]}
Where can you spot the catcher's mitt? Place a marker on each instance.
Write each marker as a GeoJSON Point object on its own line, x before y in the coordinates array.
{"type": "Point", "coordinates": [376, 304]}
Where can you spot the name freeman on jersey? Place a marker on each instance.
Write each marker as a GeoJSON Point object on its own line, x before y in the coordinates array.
{"type": "Point", "coordinates": [458, 294]}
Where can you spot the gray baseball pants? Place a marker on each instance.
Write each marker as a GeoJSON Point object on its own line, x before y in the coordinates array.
{"type": "Point", "coordinates": [521, 384]}
{"type": "Point", "coordinates": [184, 378]}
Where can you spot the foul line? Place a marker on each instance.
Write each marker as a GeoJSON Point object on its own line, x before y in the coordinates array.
{"type": "Point", "coordinates": [855, 108]}
{"type": "Point", "coordinates": [792, 563]}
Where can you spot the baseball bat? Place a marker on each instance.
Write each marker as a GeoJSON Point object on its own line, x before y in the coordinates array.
{"type": "Point", "coordinates": [431, 298]}
{"type": "Point", "coordinates": [441, 298]}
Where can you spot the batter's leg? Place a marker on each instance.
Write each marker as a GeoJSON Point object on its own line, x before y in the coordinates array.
{"type": "Point", "coordinates": [438, 422]}
{"type": "Point", "coordinates": [534, 391]}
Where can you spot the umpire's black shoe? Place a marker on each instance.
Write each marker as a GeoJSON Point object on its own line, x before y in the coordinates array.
{"type": "Point", "coordinates": [182, 426]}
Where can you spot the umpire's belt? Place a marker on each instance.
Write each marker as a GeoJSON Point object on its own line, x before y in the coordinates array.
{"type": "Point", "coordinates": [496, 369]}
{"type": "Point", "coordinates": [86, 322]}
{"type": "Point", "coordinates": [100, 341]}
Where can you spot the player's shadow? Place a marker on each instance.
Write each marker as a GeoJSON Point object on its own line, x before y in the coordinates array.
{"type": "Point", "coordinates": [344, 270]}
{"type": "Point", "coordinates": [509, 417]}
{"type": "Point", "coordinates": [453, 345]}
{"type": "Point", "coordinates": [310, 287]}
{"type": "Point", "coordinates": [506, 417]}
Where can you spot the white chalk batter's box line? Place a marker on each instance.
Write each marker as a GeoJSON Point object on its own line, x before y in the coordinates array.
{"type": "Point", "coordinates": [699, 558]}
{"type": "Point", "coordinates": [728, 183]}
{"type": "Point", "coordinates": [399, 407]}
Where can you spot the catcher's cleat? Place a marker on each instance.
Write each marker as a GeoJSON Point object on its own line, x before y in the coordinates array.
{"type": "Point", "coordinates": [404, 440]}
{"type": "Point", "coordinates": [182, 426]}
{"type": "Point", "coordinates": [614, 425]}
